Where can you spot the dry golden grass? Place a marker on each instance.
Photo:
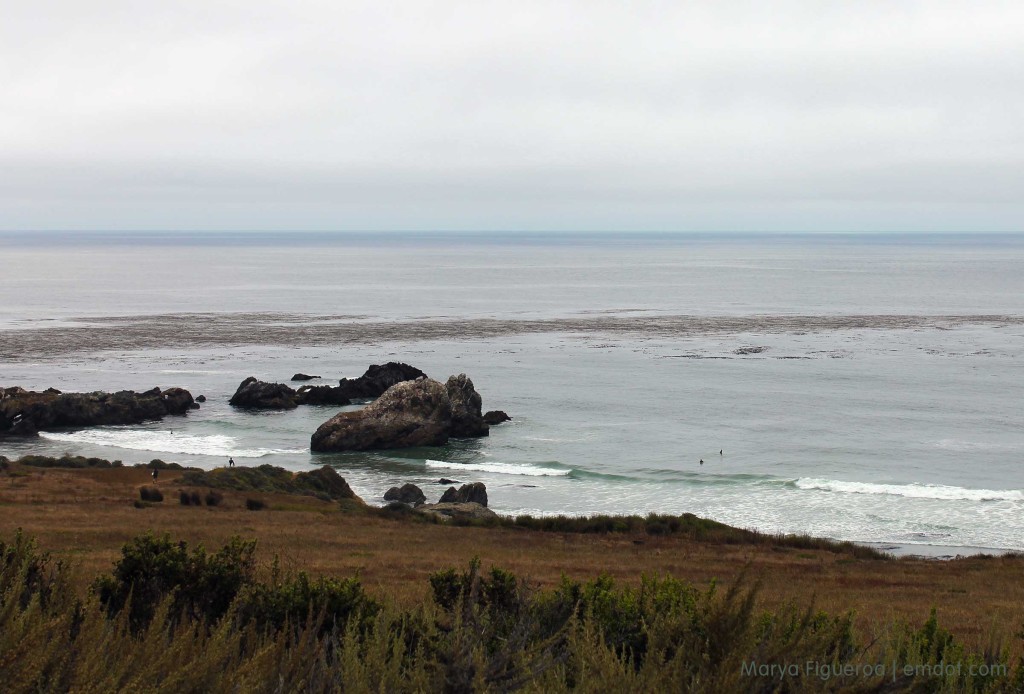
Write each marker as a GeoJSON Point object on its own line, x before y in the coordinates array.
{"type": "Point", "coordinates": [86, 515]}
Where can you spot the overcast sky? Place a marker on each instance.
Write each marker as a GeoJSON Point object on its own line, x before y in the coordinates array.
{"type": "Point", "coordinates": [581, 115]}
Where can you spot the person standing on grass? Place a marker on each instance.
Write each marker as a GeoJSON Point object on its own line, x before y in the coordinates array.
{"type": "Point", "coordinates": [156, 473]}
{"type": "Point", "coordinates": [231, 462]}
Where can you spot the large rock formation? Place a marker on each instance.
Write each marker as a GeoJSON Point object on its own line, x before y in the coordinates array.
{"type": "Point", "coordinates": [466, 418]}
{"type": "Point", "coordinates": [475, 493]}
{"type": "Point", "coordinates": [255, 394]}
{"type": "Point", "coordinates": [23, 411]}
{"type": "Point", "coordinates": [412, 413]}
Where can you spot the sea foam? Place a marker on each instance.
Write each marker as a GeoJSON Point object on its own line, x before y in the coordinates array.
{"type": "Point", "coordinates": [216, 445]}
{"type": "Point", "coordinates": [914, 491]}
{"type": "Point", "coordinates": [501, 468]}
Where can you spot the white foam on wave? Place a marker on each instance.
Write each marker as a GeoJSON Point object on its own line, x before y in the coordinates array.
{"type": "Point", "coordinates": [913, 491]}
{"type": "Point", "coordinates": [501, 468]}
{"type": "Point", "coordinates": [216, 445]}
{"type": "Point", "coordinates": [961, 445]}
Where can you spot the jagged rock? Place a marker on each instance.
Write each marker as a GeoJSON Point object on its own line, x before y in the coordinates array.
{"type": "Point", "coordinates": [52, 408]}
{"type": "Point", "coordinates": [303, 377]}
{"type": "Point", "coordinates": [322, 395]}
{"type": "Point", "coordinates": [460, 511]}
{"type": "Point", "coordinates": [466, 402]}
{"type": "Point", "coordinates": [410, 413]}
{"type": "Point", "coordinates": [475, 493]}
{"type": "Point", "coordinates": [445, 480]}
{"type": "Point", "coordinates": [255, 394]}
{"type": "Point", "coordinates": [495, 417]}
{"type": "Point", "coordinates": [377, 379]}
{"type": "Point", "coordinates": [407, 494]}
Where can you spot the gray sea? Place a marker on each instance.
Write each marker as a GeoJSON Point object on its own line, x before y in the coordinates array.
{"type": "Point", "coordinates": [858, 387]}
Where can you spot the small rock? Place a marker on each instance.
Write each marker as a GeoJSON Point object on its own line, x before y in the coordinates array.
{"type": "Point", "coordinates": [445, 480]}
{"type": "Point", "coordinates": [407, 494]}
{"type": "Point", "coordinates": [259, 395]}
{"type": "Point", "coordinates": [303, 377]}
{"type": "Point", "coordinates": [475, 493]}
{"type": "Point", "coordinates": [201, 398]}
{"type": "Point", "coordinates": [495, 417]}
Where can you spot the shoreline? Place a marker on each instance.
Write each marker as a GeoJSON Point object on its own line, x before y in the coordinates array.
{"type": "Point", "coordinates": [937, 552]}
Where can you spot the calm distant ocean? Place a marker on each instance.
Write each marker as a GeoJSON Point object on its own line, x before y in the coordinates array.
{"type": "Point", "coordinates": [859, 387]}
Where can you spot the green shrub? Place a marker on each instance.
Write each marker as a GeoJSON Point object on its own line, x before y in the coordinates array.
{"type": "Point", "coordinates": [67, 461]}
{"type": "Point", "coordinates": [328, 602]}
{"type": "Point", "coordinates": [255, 504]}
{"type": "Point", "coordinates": [151, 568]}
{"type": "Point", "coordinates": [214, 498]}
{"type": "Point", "coordinates": [151, 494]}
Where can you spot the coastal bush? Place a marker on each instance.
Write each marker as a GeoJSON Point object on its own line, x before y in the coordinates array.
{"type": "Point", "coordinates": [151, 494]}
{"type": "Point", "coordinates": [212, 625]}
{"type": "Point", "coordinates": [157, 464]}
{"type": "Point", "coordinates": [152, 568]}
{"type": "Point", "coordinates": [67, 461]}
{"type": "Point", "coordinates": [329, 603]}
{"type": "Point", "coordinates": [255, 504]}
{"type": "Point", "coordinates": [184, 498]}
{"type": "Point", "coordinates": [213, 498]}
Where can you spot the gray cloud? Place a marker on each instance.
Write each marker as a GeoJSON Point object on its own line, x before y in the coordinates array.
{"type": "Point", "coordinates": [505, 115]}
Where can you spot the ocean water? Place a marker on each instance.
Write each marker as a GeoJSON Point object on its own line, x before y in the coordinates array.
{"type": "Point", "coordinates": [859, 387]}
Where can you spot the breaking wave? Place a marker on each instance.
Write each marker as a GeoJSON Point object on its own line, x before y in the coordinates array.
{"type": "Point", "coordinates": [913, 491]}
{"type": "Point", "coordinates": [166, 442]}
{"type": "Point", "coordinates": [502, 468]}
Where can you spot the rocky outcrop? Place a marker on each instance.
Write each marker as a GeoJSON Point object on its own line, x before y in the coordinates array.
{"type": "Point", "coordinates": [260, 395]}
{"type": "Point", "coordinates": [407, 494]}
{"type": "Point", "coordinates": [322, 395]}
{"type": "Point", "coordinates": [466, 418]}
{"type": "Point", "coordinates": [377, 379]}
{"type": "Point", "coordinates": [412, 413]}
{"type": "Point", "coordinates": [23, 412]}
{"type": "Point", "coordinates": [325, 481]}
{"type": "Point", "coordinates": [475, 493]}
{"type": "Point", "coordinates": [495, 417]}
{"type": "Point", "coordinates": [458, 511]}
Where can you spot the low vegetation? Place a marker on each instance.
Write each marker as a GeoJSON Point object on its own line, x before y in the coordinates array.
{"type": "Point", "coordinates": [323, 483]}
{"type": "Point", "coordinates": [170, 617]}
{"type": "Point", "coordinates": [65, 461]}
